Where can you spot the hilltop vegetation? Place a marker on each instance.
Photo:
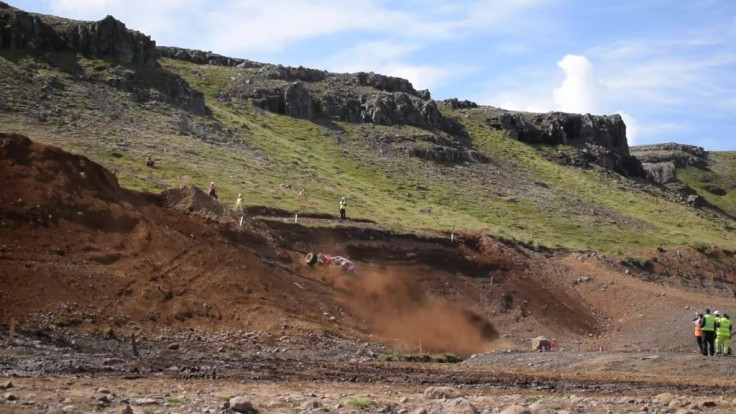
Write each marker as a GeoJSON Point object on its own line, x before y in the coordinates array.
{"type": "Point", "coordinates": [450, 170]}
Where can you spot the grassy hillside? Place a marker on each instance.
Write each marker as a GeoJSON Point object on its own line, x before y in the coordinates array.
{"type": "Point", "coordinates": [78, 104]}
{"type": "Point", "coordinates": [720, 174]}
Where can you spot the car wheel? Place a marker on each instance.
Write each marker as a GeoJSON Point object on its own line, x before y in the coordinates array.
{"type": "Point", "coordinates": [310, 258]}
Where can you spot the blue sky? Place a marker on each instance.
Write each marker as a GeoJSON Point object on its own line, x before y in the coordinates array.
{"type": "Point", "coordinates": [669, 67]}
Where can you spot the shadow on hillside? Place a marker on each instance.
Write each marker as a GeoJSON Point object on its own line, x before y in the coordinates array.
{"type": "Point", "coordinates": [142, 83]}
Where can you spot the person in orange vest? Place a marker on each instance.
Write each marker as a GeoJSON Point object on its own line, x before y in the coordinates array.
{"type": "Point", "coordinates": [709, 333]}
{"type": "Point", "coordinates": [698, 330]}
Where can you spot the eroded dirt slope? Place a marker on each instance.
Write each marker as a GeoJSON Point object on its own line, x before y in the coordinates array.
{"type": "Point", "coordinates": [76, 250]}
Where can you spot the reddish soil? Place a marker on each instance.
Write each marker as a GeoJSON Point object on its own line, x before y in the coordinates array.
{"type": "Point", "coordinates": [79, 253]}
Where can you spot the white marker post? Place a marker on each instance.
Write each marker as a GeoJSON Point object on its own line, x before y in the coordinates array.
{"type": "Point", "coordinates": [296, 218]}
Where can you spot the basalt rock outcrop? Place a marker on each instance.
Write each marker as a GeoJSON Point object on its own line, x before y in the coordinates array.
{"type": "Point", "coordinates": [455, 103]}
{"type": "Point", "coordinates": [661, 161]}
{"type": "Point", "coordinates": [201, 57]}
{"type": "Point", "coordinates": [431, 147]}
{"type": "Point", "coordinates": [107, 38]}
{"type": "Point", "coordinates": [678, 154]}
{"type": "Point", "coordinates": [356, 98]}
{"type": "Point", "coordinates": [142, 79]}
{"type": "Point", "coordinates": [601, 139]}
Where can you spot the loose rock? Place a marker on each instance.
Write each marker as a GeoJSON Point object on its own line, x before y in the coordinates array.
{"type": "Point", "coordinates": [437, 393]}
{"type": "Point", "coordinates": [516, 409]}
{"type": "Point", "coordinates": [242, 405]}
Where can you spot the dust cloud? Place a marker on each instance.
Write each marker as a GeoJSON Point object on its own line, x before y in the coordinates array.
{"type": "Point", "coordinates": [397, 307]}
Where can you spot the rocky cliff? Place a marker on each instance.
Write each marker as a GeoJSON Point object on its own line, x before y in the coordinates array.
{"type": "Point", "coordinates": [602, 139]}
{"type": "Point", "coordinates": [106, 38]}
{"type": "Point", "coordinates": [319, 95]}
{"type": "Point", "coordinates": [143, 80]}
{"type": "Point", "coordinates": [661, 161]}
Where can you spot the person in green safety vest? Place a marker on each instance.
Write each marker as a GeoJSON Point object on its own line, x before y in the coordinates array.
{"type": "Point", "coordinates": [723, 330]}
{"type": "Point", "coordinates": [343, 204]}
{"type": "Point", "coordinates": [717, 317]}
{"type": "Point", "coordinates": [709, 333]}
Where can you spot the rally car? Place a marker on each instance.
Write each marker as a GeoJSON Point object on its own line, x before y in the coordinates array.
{"type": "Point", "coordinates": [335, 261]}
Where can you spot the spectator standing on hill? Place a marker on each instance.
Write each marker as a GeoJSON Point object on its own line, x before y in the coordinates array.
{"type": "Point", "coordinates": [239, 204]}
{"type": "Point", "coordinates": [211, 191]}
{"type": "Point", "coordinates": [699, 330]}
{"type": "Point", "coordinates": [723, 329]}
{"type": "Point", "coordinates": [343, 205]}
{"type": "Point", "coordinates": [709, 333]}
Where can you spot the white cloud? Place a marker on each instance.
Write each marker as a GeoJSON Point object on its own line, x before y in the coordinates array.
{"type": "Point", "coordinates": [163, 20]}
{"type": "Point", "coordinates": [580, 91]}
{"type": "Point", "coordinates": [632, 127]}
{"type": "Point", "coordinates": [246, 26]}
{"type": "Point", "coordinates": [386, 58]}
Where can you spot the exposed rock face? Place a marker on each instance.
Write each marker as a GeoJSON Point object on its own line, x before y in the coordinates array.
{"type": "Point", "coordinates": [106, 38]}
{"type": "Point", "coordinates": [680, 155]}
{"type": "Point", "coordinates": [454, 103]}
{"type": "Point", "coordinates": [201, 57]}
{"type": "Point", "coordinates": [661, 172]}
{"type": "Point", "coordinates": [385, 83]}
{"type": "Point", "coordinates": [297, 101]}
{"type": "Point", "coordinates": [661, 160]}
{"type": "Point", "coordinates": [338, 103]}
{"type": "Point", "coordinates": [434, 148]}
{"type": "Point", "coordinates": [603, 138]}
{"type": "Point", "coordinates": [290, 74]}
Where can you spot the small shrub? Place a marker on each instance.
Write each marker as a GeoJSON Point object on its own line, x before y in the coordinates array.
{"type": "Point", "coordinates": [390, 357]}
{"type": "Point", "coordinates": [639, 262]}
{"type": "Point", "coordinates": [361, 403]}
{"type": "Point", "coordinates": [701, 247]}
{"type": "Point", "coordinates": [447, 358]}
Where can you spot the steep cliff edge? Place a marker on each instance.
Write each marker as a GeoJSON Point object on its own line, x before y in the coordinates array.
{"type": "Point", "coordinates": [132, 56]}
{"type": "Point", "coordinates": [106, 38]}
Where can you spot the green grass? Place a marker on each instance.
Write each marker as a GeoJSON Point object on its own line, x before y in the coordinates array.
{"type": "Point", "coordinates": [175, 401]}
{"type": "Point", "coordinates": [720, 174]}
{"type": "Point", "coordinates": [360, 403]}
{"type": "Point", "coordinates": [250, 151]}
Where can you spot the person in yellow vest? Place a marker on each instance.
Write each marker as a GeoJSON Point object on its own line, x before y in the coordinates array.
{"type": "Point", "coordinates": [239, 204]}
{"type": "Point", "coordinates": [723, 329]}
{"type": "Point", "coordinates": [343, 204]}
{"type": "Point", "coordinates": [698, 331]}
{"type": "Point", "coordinates": [717, 317]}
{"type": "Point", "coordinates": [709, 333]}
